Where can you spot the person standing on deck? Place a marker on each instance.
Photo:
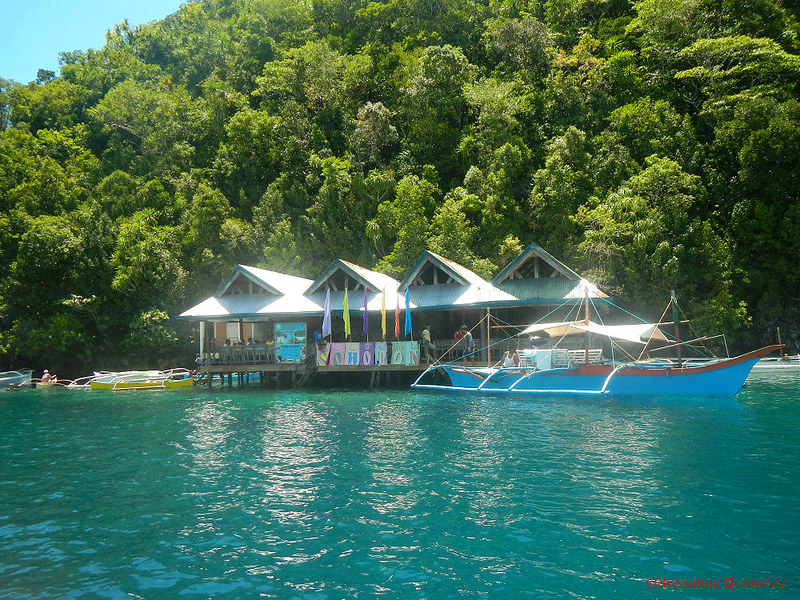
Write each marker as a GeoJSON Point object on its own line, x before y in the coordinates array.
{"type": "Point", "coordinates": [427, 344]}
{"type": "Point", "coordinates": [469, 346]}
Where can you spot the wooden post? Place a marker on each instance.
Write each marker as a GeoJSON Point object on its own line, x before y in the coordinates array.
{"type": "Point", "coordinates": [676, 320]}
{"type": "Point", "coordinates": [586, 336]}
{"type": "Point", "coordinates": [488, 337]}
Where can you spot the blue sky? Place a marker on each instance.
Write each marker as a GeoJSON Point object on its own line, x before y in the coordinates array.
{"type": "Point", "coordinates": [33, 32]}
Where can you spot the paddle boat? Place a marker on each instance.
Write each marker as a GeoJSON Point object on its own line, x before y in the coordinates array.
{"type": "Point", "coordinates": [565, 369]}
{"type": "Point", "coordinates": [140, 380]}
{"type": "Point", "coordinates": [15, 379]}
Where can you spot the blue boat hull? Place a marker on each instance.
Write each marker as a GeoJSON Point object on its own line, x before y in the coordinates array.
{"type": "Point", "coordinates": [719, 378]}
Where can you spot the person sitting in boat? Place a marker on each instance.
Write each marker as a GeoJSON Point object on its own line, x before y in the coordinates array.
{"type": "Point", "coordinates": [510, 359]}
{"type": "Point", "coordinates": [469, 346]}
{"type": "Point", "coordinates": [537, 341]}
{"type": "Point", "coordinates": [48, 378]}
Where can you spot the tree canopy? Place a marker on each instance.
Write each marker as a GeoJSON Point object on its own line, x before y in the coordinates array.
{"type": "Point", "coordinates": [652, 145]}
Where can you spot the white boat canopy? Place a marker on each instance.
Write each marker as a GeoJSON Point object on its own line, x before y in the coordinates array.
{"type": "Point", "coordinates": [639, 333]}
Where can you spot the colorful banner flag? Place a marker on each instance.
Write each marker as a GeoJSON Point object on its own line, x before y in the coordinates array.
{"type": "Point", "coordinates": [408, 314]}
{"type": "Point", "coordinates": [397, 318]}
{"type": "Point", "coordinates": [383, 314]}
{"type": "Point", "coordinates": [365, 327]}
{"type": "Point", "coordinates": [326, 320]}
{"type": "Point", "coordinates": [346, 315]}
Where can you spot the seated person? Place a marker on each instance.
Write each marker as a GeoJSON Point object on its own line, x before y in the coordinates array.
{"type": "Point", "coordinates": [510, 359]}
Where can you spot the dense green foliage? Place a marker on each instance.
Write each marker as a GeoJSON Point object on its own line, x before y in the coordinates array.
{"type": "Point", "coordinates": [652, 145]}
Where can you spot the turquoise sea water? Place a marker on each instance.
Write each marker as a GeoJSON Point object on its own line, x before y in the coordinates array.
{"type": "Point", "coordinates": [251, 493]}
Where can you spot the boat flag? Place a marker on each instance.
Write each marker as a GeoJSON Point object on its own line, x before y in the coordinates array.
{"type": "Point", "coordinates": [326, 320]}
{"type": "Point", "coordinates": [397, 318]}
{"type": "Point", "coordinates": [346, 315]}
{"type": "Point", "coordinates": [365, 328]}
{"type": "Point", "coordinates": [408, 314]}
{"type": "Point", "coordinates": [383, 314]}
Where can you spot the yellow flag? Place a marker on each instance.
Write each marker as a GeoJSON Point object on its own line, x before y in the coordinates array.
{"type": "Point", "coordinates": [346, 315]}
{"type": "Point", "coordinates": [383, 313]}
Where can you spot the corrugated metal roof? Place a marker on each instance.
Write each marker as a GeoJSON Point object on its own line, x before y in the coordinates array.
{"type": "Point", "coordinates": [429, 297]}
{"type": "Point", "coordinates": [550, 289]}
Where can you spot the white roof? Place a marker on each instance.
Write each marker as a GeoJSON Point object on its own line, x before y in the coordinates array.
{"type": "Point", "coordinates": [281, 295]}
{"type": "Point", "coordinates": [433, 283]}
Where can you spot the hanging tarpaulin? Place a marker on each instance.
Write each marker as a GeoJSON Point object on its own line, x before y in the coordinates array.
{"type": "Point", "coordinates": [346, 315]}
{"type": "Point", "coordinates": [408, 314]}
{"type": "Point", "coordinates": [290, 342]}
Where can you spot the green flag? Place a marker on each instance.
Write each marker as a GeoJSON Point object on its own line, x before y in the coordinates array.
{"type": "Point", "coordinates": [346, 316]}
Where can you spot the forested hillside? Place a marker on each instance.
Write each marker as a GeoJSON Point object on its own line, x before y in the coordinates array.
{"type": "Point", "coordinates": [650, 145]}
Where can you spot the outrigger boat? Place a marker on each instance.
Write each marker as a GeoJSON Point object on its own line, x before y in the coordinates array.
{"type": "Point", "coordinates": [14, 379]}
{"type": "Point", "coordinates": [781, 363]}
{"type": "Point", "coordinates": [141, 380]}
{"type": "Point", "coordinates": [586, 371]}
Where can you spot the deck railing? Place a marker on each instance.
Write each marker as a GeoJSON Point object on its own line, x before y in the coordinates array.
{"type": "Point", "coordinates": [265, 354]}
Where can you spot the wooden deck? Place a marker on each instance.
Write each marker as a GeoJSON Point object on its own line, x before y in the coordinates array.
{"type": "Point", "coordinates": [240, 363]}
{"type": "Point", "coordinates": [295, 375]}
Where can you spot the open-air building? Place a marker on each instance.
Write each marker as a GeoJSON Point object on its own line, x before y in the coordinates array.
{"type": "Point", "coordinates": [264, 321]}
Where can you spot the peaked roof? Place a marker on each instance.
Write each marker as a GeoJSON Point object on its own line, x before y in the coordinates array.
{"type": "Point", "coordinates": [527, 265]}
{"type": "Point", "coordinates": [434, 283]}
{"type": "Point", "coordinates": [432, 269]}
{"type": "Point", "coordinates": [341, 272]}
{"type": "Point", "coordinates": [249, 280]}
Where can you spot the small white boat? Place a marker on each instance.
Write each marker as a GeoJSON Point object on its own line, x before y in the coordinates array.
{"type": "Point", "coordinates": [14, 379]}
{"type": "Point", "coordinates": [782, 363]}
{"type": "Point", "coordinates": [140, 380]}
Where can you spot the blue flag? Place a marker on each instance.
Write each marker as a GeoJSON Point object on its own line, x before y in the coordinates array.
{"type": "Point", "coordinates": [408, 314]}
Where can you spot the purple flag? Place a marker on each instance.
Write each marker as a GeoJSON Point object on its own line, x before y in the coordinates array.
{"type": "Point", "coordinates": [366, 320]}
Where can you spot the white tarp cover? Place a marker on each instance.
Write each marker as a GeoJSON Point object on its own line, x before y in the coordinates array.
{"type": "Point", "coordinates": [639, 333]}
{"type": "Point", "coordinates": [556, 329]}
